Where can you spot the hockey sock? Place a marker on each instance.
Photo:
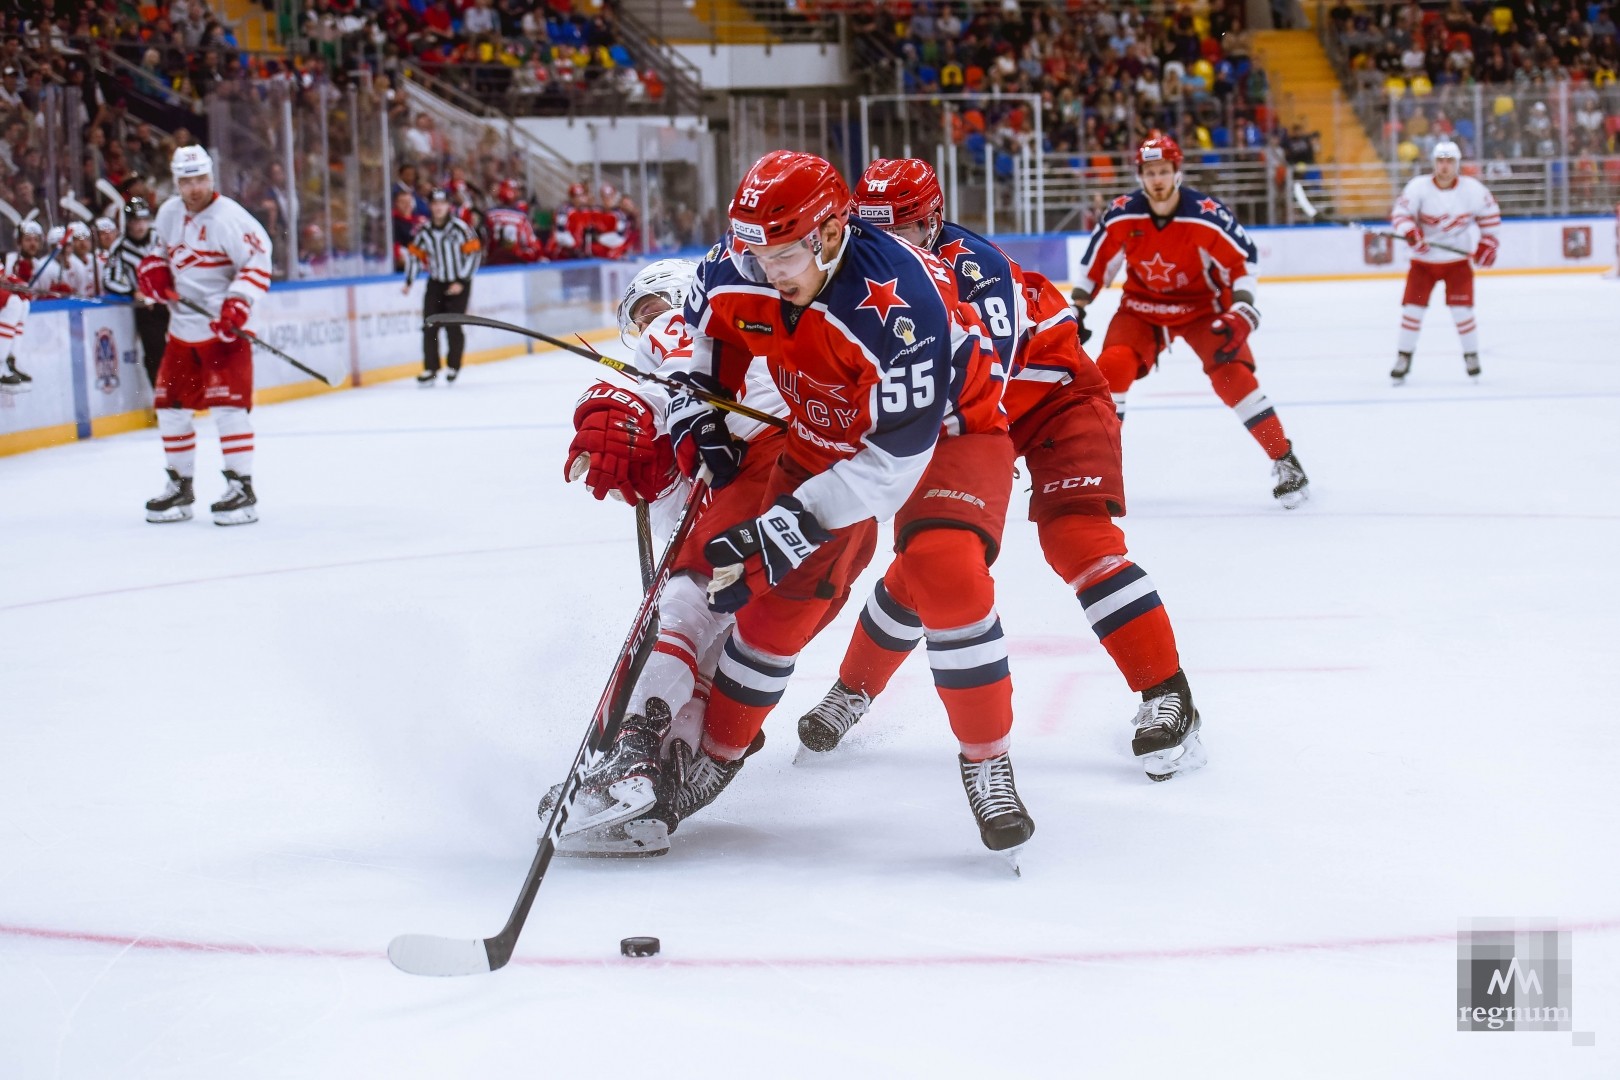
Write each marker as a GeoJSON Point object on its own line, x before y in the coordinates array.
{"type": "Point", "coordinates": [884, 637]}
{"type": "Point", "coordinates": [179, 440]}
{"type": "Point", "coordinates": [1467, 328]}
{"type": "Point", "coordinates": [1119, 600]}
{"type": "Point", "coordinates": [1118, 364]}
{"type": "Point", "coordinates": [747, 686]}
{"type": "Point", "coordinates": [235, 439]}
{"type": "Point", "coordinates": [687, 631]}
{"type": "Point", "coordinates": [1236, 385]}
{"type": "Point", "coordinates": [1411, 323]}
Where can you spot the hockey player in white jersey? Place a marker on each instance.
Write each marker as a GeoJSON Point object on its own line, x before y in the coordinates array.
{"type": "Point", "coordinates": [621, 448]}
{"type": "Point", "coordinates": [28, 272]}
{"type": "Point", "coordinates": [212, 252]}
{"type": "Point", "coordinates": [1444, 216]}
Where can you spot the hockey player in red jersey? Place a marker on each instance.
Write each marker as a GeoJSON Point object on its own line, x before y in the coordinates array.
{"type": "Point", "coordinates": [1189, 273]}
{"type": "Point", "coordinates": [211, 251]}
{"type": "Point", "coordinates": [511, 234]}
{"type": "Point", "coordinates": [1063, 425]}
{"type": "Point", "coordinates": [575, 224]}
{"type": "Point", "coordinates": [893, 398]}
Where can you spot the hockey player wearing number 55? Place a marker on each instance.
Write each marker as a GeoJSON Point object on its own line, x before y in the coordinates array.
{"type": "Point", "coordinates": [1189, 273]}
{"type": "Point", "coordinates": [209, 250]}
{"type": "Point", "coordinates": [1064, 427]}
{"type": "Point", "coordinates": [1444, 216]}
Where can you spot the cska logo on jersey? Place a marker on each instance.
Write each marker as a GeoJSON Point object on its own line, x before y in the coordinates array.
{"type": "Point", "coordinates": [953, 251]}
{"type": "Point", "coordinates": [1156, 269]}
{"type": "Point", "coordinates": [1121, 202]}
{"type": "Point", "coordinates": [1208, 206]}
{"type": "Point", "coordinates": [882, 297]}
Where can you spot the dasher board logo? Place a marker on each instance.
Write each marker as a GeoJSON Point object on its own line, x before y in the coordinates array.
{"type": "Point", "coordinates": [1377, 250]}
{"type": "Point", "coordinates": [106, 353]}
{"type": "Point", "coordinates": [1577, 241]}
{"type": "Point", "coordinates": [1512, 976]}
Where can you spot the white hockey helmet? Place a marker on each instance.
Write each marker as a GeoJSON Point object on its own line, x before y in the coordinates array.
{"type": "Point", "coordinates": [105, 225]}
{"type": "Point", "coordinates": [191, 161]}
{"type": "Point", "coordinates": [56, 235]}
{"type": "Point", "coordinates": [1445, 148]}
{"type": "Point", "coordinates": [669, 279]}
{"type": "Point", "coordinates": [30, 228]}
{"type": "Point", "coordinates": [78, 231]}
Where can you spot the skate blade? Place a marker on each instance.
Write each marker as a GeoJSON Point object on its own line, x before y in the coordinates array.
{"type": "Point", "coordinates": [641, 838]}
{"type": "Point", "coordinates": [15, 389]}
{"type": "Point", "coordinates": [1163, 764]}
{"type": "Point", "coordinates": [1011, 855]}
{"type": "Point", "coordinates": [627, 799]}
{"type": "Point", "coordinates": [1293, 500]}
{"type": "Point", "coordinates": [165, 517]}
{"type": "Point", "coordinates": [245, 516]}
{"type": "Point", "coordinates": [804, 755]}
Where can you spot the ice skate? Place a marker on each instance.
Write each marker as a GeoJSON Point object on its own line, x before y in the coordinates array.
{"type": "Point", "coordinates": [239, 506]}
{"type": "Point", "coordinates": [1403, 366]}
{"type": "Point", "coordinates": [175, 502]}
{"type": "Point", "coordinates": [822, 727]}
{"type": "Point", "coordinates": [450, 376]}
{"type": "Point", "coordinates": [1293, 486]}
{"type": "Point", "coordinates": [1004, 824]}
{"type": "Point", "coordinates": [638, 838]}
{"type": "Point", "coordinates": [1471, 362]}
{"type": "Point", "coordinates": [426, 379]}
{"type": "Point", "coordinates": [693, 779]}
{"type": "Point", "coordinates": [625, 784]}
{"type": "Point", "coordinates": [1167, 740]}
{"type": "Point", "coordinates": [13, 380]}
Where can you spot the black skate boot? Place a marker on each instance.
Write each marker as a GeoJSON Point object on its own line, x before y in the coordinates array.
{"type": "Point", "coordinates": [693, 779]}
{"type": "Point", "coordinates": [1293, 486]}
{"type": "Point", "coordinates": [450, 376]}
{"type": "Point", "coordinates": [426, 379]}
{"type": "Point", "coordinates": [822, 727]}
{"type": "Point", "coordinates": [239, 506]}
{"type": "Point", "coordinates": [1403, 367]}
{"type": "Point", "coordinates": [175, 502]}
{"type": "Point", "coordinates": [1471, 362]}
{"type": "Point", "coordinates": [625, 784]}
{"type": "Point", "coordinates": [14, 380]}
{"type": "Point", "coordinates": [1004, 824]}
{"type": "Point", "coordinates": [1167, 739]}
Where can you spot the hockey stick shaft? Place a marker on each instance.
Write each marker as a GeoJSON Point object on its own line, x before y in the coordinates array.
{"type": "Point", "coordinates": [1304, 203]}
{"type": "Point", "coordinates": [34, 294]}
{"type": "Point", "coordinates": [256, 340]}
{"type": "Point", "coordinates": [421, 954]}
{"type": "Point", "coordinates": [644, 548]}
{"type": "Point", "coordinates": [448, 317]}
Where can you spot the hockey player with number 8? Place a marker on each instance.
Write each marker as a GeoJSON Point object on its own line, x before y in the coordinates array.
{"type": "Point", "coordinates": [1064, 427]}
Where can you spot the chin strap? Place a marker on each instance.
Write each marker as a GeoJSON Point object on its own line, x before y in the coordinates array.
{"type": "Point", "coordinates": [832, 264]}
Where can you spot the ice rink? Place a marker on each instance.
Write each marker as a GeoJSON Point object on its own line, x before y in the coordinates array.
{"type": "Point", "coordinates": [235, 762]}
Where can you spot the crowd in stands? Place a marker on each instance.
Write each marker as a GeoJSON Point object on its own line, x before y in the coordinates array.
{"type": "Point", "coordinates": [1506, 81]}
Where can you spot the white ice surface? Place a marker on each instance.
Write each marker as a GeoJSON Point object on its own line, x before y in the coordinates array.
{"type": "Point", "coordinates": [235, 763]}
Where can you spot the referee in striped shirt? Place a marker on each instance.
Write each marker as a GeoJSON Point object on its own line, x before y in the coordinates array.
{"type": "Point", "coordinates": [450, 252]}
{"type": "Point", "coordinates": [151, 317]}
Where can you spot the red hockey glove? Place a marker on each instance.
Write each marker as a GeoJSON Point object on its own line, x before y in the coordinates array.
{"type": "Point", "coordinates": [60, 288]}
{"type": "Point", "coordinates": [617, 448]}
{"type": "Point", "coordinates": [233, 315]}
{"type": "Point", "coordinates": [1485, 254]}
{"type": "Point", "coordinates": [156, 280]}
{"type": "Point", "coordinates": [1420, 246]}
{"type": "Point", "coordinates": [700, 433]}
{"type": "Point", "coordinates": [1235, 325]}
{"type": "Point", "coordinates": [760, 552]}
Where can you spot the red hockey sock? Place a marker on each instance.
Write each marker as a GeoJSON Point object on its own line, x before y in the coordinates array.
{"type": "Point", "coordinates": [1236, 385]}
{"type": "Point", "coordinates": [747, 686]}
{"type": "Point", "coordinates": [887, 632]}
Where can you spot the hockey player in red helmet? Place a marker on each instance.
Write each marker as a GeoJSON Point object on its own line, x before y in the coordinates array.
{"type": "Point", "coordinates": [890, 381]}
{"type": "Point", "coordinates": [511, 234]}
{"type": "Point", "coordinates": [1063, 425]}
{"type": "Point", "coordinates": [575, 224]}
{"type": "Point", "coordinates": [1189, 274]}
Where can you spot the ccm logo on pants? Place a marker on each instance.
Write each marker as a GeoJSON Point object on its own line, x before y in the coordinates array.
{"type": "Point", "coordinates": [1072, 482]}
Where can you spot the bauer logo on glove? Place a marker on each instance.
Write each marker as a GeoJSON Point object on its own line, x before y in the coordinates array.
{"type": "Point", "coordinates": [768, 547]}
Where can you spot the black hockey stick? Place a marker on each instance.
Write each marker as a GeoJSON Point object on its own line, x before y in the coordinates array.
{"type": "Point", "coordinates": [256, 340]}
{"type": "Point", "coordinates": [426, 954]}
{"type": "Point", "coordinates": [447, 317]}
{"type": "Point", "coordinates": [1304, 203]}
{"type": "Point", "coordinates": [644, 543]}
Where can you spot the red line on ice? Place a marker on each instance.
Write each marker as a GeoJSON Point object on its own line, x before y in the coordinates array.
{"type": "Point", "coordinates": [1101, 956]}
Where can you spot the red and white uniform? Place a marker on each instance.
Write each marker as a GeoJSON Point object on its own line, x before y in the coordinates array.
{"type": "Point", "coordinates": [79, 273]}
{"type": "Point", "coordinates": [511, 236]}
{"type": "Point", "coordinates": [1457, 216]}
{"type": "Point", "coordinates": [35, 275]}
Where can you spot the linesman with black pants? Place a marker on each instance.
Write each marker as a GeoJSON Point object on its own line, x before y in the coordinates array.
{"type": "Point", "coordinates": [151, 317]}
{"type": "Point", "coordinates": [448, 249]}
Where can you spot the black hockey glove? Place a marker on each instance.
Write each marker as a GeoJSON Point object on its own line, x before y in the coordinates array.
{"type": "Point", "coordinates": [1079, 314]}
{"type": "Point", "coordinates": [758, 553]}
{"type": "Point", "coordinates": [699, 432]}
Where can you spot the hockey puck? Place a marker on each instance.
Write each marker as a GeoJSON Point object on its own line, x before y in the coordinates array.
{"type": "Point", "coordinates": [639, 946]}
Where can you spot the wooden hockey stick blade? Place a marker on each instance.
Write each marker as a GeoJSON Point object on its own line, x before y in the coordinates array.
{"type": "Point", "coordinates": [425, 954]}
{"type": "Point", "coordinates": [1303, 201]}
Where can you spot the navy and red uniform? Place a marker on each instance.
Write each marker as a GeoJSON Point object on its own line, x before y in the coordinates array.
{"type": "Point", "coordinates": [1181, 271]}
{"type": "Point", "coordinates": [894, 412]}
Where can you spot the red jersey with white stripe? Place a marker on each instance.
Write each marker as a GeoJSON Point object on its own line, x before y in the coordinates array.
{"type": "Point", "coordinates": [1178, 268]}
{"type": "Point", "coordinates": [883, 362]}
{"type": "Point", "coordinates": [511, 236]}
{"type": "Point", "coordinates": [1051, 355]}
{"type": "Point", "coordinates": [1455, 216]}
{"type": "Point", "coordinates": [223, 250]}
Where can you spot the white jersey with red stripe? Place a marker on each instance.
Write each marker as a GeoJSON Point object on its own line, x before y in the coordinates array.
{"type": "Point", "coordinates": [79, 271]}
{"type": "Point", "coordinates": [1455, 216]}
{"type": "Point", "coordinates": [221, 250]}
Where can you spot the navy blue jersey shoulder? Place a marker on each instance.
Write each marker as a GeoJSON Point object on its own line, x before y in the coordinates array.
{"type": "Point", "coordinates": [1134, 203]}
{"type": "Point", "coordinates": [884, 294]}
{"type": "Point", "coordinates": [985, 278]}
{"type": "Point", "coordinates": [1197, 205]}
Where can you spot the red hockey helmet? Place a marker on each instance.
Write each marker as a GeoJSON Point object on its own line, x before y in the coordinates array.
{"type": "Point", "coordinates": [575, 190]}
{"type": "Point", "coordinates": [898, 192]}
{"type": "Point", "coordinates": [785, 197]}
{"type": "Point", "coordinates": [1159, 148]}
{"type": "Point", "coordinates": [506, 191]}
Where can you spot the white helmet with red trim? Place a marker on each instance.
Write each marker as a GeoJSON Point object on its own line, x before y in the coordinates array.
{"type": "Point", "coordinates": [191, 161]}
{"type": "Point", "coordinates": [668, 279]}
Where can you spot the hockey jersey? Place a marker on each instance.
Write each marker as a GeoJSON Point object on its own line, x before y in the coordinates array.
{"type": "Point", "coordinates": [39, 275]}
{"type": "Point", "coordinates": [223, 250]}
{"type": "Point", "coordinates": [511, 236]}
{"type": "Point", "coordinates": [1177, 269]}
{"type": "Point", "coordinates": [1456, 216]}
{"type": "Point", "coordinates": [874, 370]}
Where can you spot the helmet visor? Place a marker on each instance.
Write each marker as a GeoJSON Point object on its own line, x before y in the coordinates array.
{"type": "Point", "coordinates": [766, 265]}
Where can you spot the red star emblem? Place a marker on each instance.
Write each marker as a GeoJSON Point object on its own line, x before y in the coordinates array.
{"type": "Point", "coordinates": [953, 251]}
{"type": "Point", "coordinates": [1119, 203]}
{"type": "Point", "coordinates": [1207, 206]}
{"type": "Point", "coordinates": [1156, 268]}
{"type": "Point", "coordinates": [882, 297]}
